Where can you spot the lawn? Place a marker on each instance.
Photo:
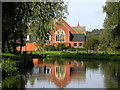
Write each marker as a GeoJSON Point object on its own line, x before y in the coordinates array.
{"type": "Point", "coordinates": [8, 55]}
{"type": "Point", "coordinates": [78, 54]}
{"type": "Point", "coordinates": [59, 52]}
{"type": "Point", "coordinates": [69, 54]}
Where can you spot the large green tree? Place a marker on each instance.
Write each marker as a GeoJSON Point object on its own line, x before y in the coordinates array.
{"type": "Point", "coordinates": [45, 15]}
{"type": "Point", "coordinates": [14, 20]}
{"type": "Point", "coordinates": [111, 32]}
{"type": "Point", "coordinates": [17, 15]}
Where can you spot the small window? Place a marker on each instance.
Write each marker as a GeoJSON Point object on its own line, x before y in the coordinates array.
{"type": "Point", "coordinates": [81, 44]}
{"type": "Point", "coordinates": [75, 44]}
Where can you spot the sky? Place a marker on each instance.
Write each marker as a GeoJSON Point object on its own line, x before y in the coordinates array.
{"type": "Point", "coordinates": [88, 14]}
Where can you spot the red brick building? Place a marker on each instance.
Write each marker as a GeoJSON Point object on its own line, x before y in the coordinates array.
{"type": "Point", "coordinates": [63, 33]}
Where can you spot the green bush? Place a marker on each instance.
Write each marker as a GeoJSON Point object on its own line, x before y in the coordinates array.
{"type": "Point", "coordinates": [80, 49]}
{"type": "Point", "coordinates": [70, 48]}
{"type": "Point", "coordinates": [8, 67]}
{"type": "Point", "coordinates": [60, 47]}
{"type": "Point", "coordinates": [75, 49]}
{"type": "Point", "coordinates": [49, 48]}
{"type": "Point", "coordinates": [10, 82]}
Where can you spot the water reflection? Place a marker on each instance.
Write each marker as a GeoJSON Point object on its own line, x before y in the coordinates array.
{"type": "Point", "coordinates": [111, 72]}
{"type": "Point", "coordinates": [63, 73]}
{"type": "Point", "coordinates": [60, 75]}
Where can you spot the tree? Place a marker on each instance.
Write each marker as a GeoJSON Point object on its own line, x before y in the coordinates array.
{"type": "Point", "coordinates": [92, 43]}
{"type": "Point", "coordinates": [41, 15]}
{"type": "Point", "coordinates": [45, 14]}
{"type": "Point", "coordinates": [14, 24]}
{"type": "Point", "coordinates": [111, 34]}
{"type": "Point", "coordinates": [94, 33]}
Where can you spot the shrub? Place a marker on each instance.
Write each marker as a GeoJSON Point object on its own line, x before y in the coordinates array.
{"type": "Point", "coordinates": [70, 48]}
{"type": "Point", "coordinates": [8, 67]}
{"type": "Point", "coordinates": [80, 49]}
{"type": "Point", "coordinates": [49, 48]}
{"type": "Point", "coordinates": [10, 82]}
{"type": "Point", "coordinates": [60, 46]}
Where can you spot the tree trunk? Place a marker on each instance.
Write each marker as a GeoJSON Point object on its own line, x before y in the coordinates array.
{"type": "Point", "coordinates": [21, 45]}
{"type": "Point", "coordinates": [3, 46]}
{"type": "Point", "coordinates": [8, 45]}
{"type": "Point", "coordinates": [14, 46]}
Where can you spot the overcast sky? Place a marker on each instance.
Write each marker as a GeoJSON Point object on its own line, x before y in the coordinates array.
{"type": "Point", "coordinates": [88, 14]}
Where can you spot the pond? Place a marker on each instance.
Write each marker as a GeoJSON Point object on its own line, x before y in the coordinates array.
{"type": "Point", "coordinates": [67, 73]}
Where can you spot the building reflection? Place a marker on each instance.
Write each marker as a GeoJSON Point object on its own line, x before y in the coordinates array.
{"type": "Point", "coordinates": [60, 75]}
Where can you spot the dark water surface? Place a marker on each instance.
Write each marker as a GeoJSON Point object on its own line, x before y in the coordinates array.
{"type": "Point", "coordinates": [66, 73]}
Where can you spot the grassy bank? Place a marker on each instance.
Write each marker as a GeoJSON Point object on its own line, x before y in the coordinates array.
{"type": "Point", "coordinates": [79, 54]}
{"type": "Point", "coordinates": [10, 56]}
{"type": "Point", "coordinates": [70, 54]}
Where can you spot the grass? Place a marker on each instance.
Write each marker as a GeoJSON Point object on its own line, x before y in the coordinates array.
{"type": "Point", "coordinates": [79, 54]}
{"type": "Point", "coordinates": [58, 52]}
{"type": "Point", "coordinates": [70, 54]}
{"type": "Point", "coordinates": [10, 56]}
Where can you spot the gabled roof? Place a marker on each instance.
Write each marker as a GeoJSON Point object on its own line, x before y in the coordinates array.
{"type": "Point", "coordinates": [61, 22]}
{"type": "Point", "coordinates": [77, 37]}
{"type": "Point", "coordinates": [79, 29]}
{"type": "Point", "coordinates": [74, 30]}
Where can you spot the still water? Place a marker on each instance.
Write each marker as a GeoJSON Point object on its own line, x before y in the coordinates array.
{"type": "Point", "coordinates": [66, 73]}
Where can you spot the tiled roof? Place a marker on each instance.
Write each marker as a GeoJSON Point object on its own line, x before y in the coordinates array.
{"type": "Point", "coordinates": [77, 37]}
{"type": "Point", "coordinates": [79, 29]}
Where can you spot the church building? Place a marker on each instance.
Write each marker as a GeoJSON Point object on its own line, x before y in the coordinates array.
{"type": "Point", "coordinates": [63, 33]}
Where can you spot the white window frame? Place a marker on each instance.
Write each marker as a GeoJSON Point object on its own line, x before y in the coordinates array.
{"type": "Point", "coordinates": [76, 44]}
{"type": "Point", "coordinates": [80, 45]}
{"type": "Point", "coordinates": [58, 38]}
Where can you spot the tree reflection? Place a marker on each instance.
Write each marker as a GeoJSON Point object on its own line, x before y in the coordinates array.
{"type": "Point", "coordinates": [94, 65]}
{"type": "Point", "coordinates": [111, 71]}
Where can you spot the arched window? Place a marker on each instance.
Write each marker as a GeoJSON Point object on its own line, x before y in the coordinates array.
{"type": "Point", "coordinates": [60, 35]}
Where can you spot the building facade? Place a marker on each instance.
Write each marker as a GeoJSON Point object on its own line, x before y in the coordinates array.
{"type": "Point", "coordinates": [63, 33]}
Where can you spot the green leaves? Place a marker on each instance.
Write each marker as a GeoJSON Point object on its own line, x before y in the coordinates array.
{"type": "Point", "coordinates": [91, 43]}
{"type": "Point", "coordinates": [9, 67]}
{"type": "Point", "coordinates": [44, 15]}
{"type": "Point", "coordinates": [111, 23]}
{"type": "Point", "coordinates": [40, 15]}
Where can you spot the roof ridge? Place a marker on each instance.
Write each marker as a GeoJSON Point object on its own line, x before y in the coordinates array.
{"type": "Point", "coordinates": [71, 29]}
{"type": "Point", "coordinates": [78, 26]}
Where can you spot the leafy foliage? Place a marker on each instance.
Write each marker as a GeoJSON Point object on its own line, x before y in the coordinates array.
{"type": "Point", "coordinates": [8, 67]}
{"type": "Point", "coordinates": [91, 43]}
{"type": "Point", "coordinates": [94, 33]}
{"type": "Point", "coordinates": [44, 16]}
{"type": "Point", "coordinates": [60, 46]}
{"type": "Point", "coordinates": [10, 82]}
{"type": "Point", "coordinates": [111, 34]}
{"type": "Point", "coordinates": [49, 48]}
{"type": "Point", "coordinates": [14, 24]}
{"type": "Point", "coordinates": [39, 17]}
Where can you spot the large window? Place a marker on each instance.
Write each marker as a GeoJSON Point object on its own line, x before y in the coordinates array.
{"type": "Point", "coordinates": [60, 35]}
